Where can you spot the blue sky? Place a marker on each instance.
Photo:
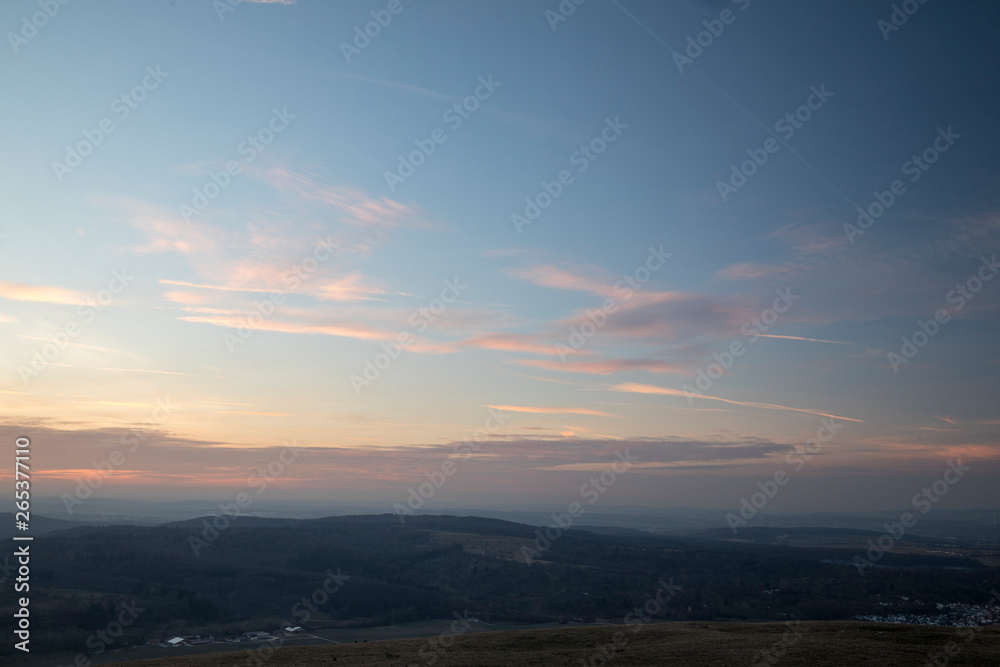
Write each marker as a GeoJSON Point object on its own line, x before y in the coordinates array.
{"type": "Point", "coordinates": [298, 370]}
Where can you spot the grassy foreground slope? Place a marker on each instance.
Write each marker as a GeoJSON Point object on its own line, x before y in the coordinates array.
{"type": "Point", "coordinates": [690, 644]}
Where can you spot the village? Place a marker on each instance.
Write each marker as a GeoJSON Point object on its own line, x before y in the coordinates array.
{"type": "Point", "coordinates": [252, 636]}
{"type": "Point", "coordinates": [958, 615]}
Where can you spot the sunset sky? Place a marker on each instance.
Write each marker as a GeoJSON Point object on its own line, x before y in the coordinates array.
{"type": "Point", "coordinates": [189, 169]}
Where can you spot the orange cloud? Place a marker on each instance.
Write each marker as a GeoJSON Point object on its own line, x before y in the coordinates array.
{"type": "Point", "coordinates": [256, 414]}
{"type": "Point", "coordinates": [552, 411]}
{"type": "Point", "coordinates": [344, 330]}
{"type": "Point", "coordinates": [506, 342]}
{"type": "Point", "coordinates": [41, 293]}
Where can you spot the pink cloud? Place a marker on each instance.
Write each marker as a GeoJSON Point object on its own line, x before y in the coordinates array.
{"type": "Point", "coordinates": [358, 207]}
{"type": "Point", "coordinates": [578, 278]}
{"type": "Point", "coordinates": [603, 367]}
{"type": "Point", "coordinates": [167, 231]}
{"type": "Point", "coordinates": [351, 287]}
{"type": "Point", "coordinates": [668, 316]}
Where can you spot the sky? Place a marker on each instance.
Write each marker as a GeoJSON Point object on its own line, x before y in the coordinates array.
{"type": "Point", "coordinates": [491, 248]}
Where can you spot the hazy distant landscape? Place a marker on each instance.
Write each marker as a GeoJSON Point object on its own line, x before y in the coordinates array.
{"type": "Point", "coordinates": [428, 333]}
{"type": "Point", "coordinates": [258, 574]}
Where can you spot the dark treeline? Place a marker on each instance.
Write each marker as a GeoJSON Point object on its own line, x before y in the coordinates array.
{"type": "Point", "coordinates": [257, 572]}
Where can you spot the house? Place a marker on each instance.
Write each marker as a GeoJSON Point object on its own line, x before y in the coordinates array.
{"type": "Point", "coordinates": [293, 631]}
{"type": "Point", "coordinates": [174, 642]}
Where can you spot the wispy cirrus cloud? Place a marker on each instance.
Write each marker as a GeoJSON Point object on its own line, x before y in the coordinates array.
{"type": "Point", "coordinates": [755, 271]}
{"type": "Point", "coordinates": [41, 293]}
{"type": "Point", "coordinates": [344, 328]}
{"type": "Point", "coordinates": [632, 387]}
{"type": "Point", "coordinates": [352, 287]}
{"type": "Point", "coordinates": [224, 288]}
{"type": "Point", "coordinates": [506, 342]}
{"type": "Point", "coordinates": [165, 229]}
{"type": "Point", "coordinates": [811, 340]}
{"type": "Point", "coordinates": [603, 366]}
{"type": "Point", "coordinates": [83, 346]}
{"type": "Point", "coordinates": [670, 316]}
{"type": "Point", "coordinates": [592, 279]}
{"type": "Point", "coordinates": [811, 237]}
{"type": "Point", "coordinates": [552, 410]}
{"type": "Point", "coordinates": [354, 205]}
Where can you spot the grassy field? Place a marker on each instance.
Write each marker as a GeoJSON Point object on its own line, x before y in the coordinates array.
{"type": "Point", "coordinates": [689, 644]}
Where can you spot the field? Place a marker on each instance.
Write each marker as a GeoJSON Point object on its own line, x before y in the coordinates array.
{"type": "Point", "coordinates": [689, 644]}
